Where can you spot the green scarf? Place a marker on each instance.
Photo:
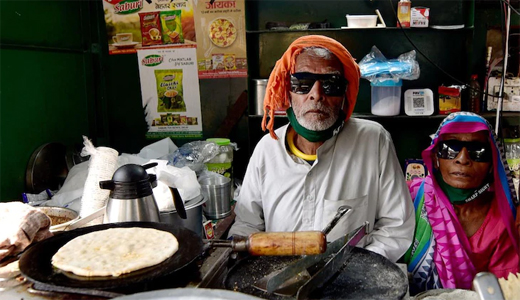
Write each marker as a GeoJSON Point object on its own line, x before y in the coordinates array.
{"type": "Point", "coordinates": [316, 136]}
{"type": "Point", "coordinates": [459, 196]}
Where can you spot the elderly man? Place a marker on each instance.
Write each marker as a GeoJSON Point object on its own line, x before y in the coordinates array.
{"type": "Point", "coordinates": [324, 159]}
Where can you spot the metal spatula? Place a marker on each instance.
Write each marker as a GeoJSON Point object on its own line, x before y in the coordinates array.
{"type": "Point", "coordinates": [487, 287]}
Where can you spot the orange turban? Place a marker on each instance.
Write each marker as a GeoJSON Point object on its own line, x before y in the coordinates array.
{"type": "Point", "coordinates": [277, 91]}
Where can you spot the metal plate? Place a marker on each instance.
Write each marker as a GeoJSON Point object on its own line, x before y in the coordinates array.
{"type": "Point", "coordinates": [35, 263]}
{"type": "Point", "coordinates": [365, 275]}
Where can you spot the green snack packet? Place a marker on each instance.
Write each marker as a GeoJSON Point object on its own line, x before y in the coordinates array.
{"type": "Point", "coordinates": [169, 90]}
{"type": "Point", "coordinates": [171, 27]}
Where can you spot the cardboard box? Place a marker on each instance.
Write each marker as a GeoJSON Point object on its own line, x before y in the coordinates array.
{"type": "Point", "coordinates": [420, 17]}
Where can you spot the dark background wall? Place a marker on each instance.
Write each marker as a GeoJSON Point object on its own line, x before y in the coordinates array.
{"type": "Point", "coordinates": [59, 83]}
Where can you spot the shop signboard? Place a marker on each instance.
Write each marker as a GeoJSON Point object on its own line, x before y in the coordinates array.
{"type": "Point", "coordinates": [148, 24]}
{"type": "Point", "coordinates": [221, 33]}
{"type": "Point", "coordinates": [170, 92]}
{"type": "Point", "coordinates": [215, 27]}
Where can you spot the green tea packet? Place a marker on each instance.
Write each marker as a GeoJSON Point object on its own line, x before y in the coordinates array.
{"type": "Point", "coordinates": [169, 90]}
{"type": "Point", "coordinates": [171, 27]}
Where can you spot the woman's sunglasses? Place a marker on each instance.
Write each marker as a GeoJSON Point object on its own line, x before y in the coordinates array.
{"type": "Point", "coordinates": [332, 84]}
{"type": "Point", "coordinates": [478, 151]}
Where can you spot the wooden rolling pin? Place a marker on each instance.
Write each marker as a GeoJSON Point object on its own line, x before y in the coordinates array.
{"type": "Point", "coordinates": [282, 243]}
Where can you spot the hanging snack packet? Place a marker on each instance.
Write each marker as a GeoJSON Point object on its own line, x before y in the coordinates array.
{"type": "Point", "coordinates": [169, 90]}
{"type": "Point", "coordinates": [151, 28]}
{"type": "Point", "coordinates": [171, 27]}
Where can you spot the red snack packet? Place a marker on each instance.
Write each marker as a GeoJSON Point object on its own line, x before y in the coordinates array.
{"type": "Point", "coordinates": [151, 28]}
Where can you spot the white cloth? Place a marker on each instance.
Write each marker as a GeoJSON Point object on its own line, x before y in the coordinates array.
{"type": "Point", "coordinates": [21, 225]}
{"type": "Point", "coordinates": [358, 167]}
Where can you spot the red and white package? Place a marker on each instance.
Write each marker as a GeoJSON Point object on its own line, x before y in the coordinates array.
{"type": "Point", "coordinates": [420, 17]}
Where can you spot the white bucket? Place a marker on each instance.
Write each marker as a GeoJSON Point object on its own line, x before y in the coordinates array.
{"type": "Point", "coordinates": [386, 98]}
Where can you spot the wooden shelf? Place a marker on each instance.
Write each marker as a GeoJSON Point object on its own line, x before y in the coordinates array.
{"type": "Point", "coordinates": [487, 115]}
{"type": "Point", "coordinates": [317, 30]}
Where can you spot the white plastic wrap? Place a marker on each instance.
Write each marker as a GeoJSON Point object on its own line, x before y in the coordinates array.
{"type": "Point", "coordinates": [103, 164]}
{"type": "Point", "coordinates": [183, 178]}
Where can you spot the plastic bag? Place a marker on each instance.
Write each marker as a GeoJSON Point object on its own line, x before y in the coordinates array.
{"type": "Point", "coordinates": [376, 68]}
{"type": "Point", "coordinates": [184, 179]}
{"type": "Point", "coordinates": [194, 155]}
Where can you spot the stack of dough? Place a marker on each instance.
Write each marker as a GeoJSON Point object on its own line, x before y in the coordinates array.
{"type": "Point", "coordinates": [510, 286]}
{"type": "Point", "coordinates": [115, 251]}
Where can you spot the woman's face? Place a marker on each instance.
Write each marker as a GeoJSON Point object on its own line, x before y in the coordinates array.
{"type": "Point", "coordinates": [462, 171]}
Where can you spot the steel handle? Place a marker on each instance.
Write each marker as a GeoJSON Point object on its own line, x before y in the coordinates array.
{"type": "Point", "coordinates": [487, 287]}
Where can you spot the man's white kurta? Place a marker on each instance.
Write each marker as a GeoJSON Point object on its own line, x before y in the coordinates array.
{"type": "Point", "coordinates": [358, 167]}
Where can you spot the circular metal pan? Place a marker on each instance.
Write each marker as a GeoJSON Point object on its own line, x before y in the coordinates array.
{"type": "Point", "coordinates": [365, 275]}
{"type": "Point", "coordinates": [35, 263]}
{"type": "Point", "coordinates": [47, 168]}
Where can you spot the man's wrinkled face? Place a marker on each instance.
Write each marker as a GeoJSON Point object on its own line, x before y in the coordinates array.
{"type": "Point", "coordinates": [464, 159]}
{"type": "Point", "coordinates": [317, 107]}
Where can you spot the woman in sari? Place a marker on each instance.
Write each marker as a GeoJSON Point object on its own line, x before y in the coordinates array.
{"type": "Point", "coordinates": [465, 208]}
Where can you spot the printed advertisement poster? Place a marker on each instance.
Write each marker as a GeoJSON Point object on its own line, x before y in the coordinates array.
{"type": "Point", "coordinates": [170, 92]}
{"type": "Point", "coordinates": [148, 24]}
{"type": "Point", "coordinates": [221, 38]}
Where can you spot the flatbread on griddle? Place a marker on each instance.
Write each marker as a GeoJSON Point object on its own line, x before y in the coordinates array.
{"type": "Point", "coordinates": [115, 251]}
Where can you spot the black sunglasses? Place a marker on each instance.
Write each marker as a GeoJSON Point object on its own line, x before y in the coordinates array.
{"type": "Point", "coordinates": [478, 151]}
{"type": "Point", "coordinates": [333, 84]}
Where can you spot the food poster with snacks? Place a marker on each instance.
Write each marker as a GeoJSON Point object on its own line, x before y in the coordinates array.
{"type": "Point", "coordinates": [148, 24]}
{"type": "Point", "coordinates": [221, 38]}
{"type": "Point", "coordinates": [170, 92]}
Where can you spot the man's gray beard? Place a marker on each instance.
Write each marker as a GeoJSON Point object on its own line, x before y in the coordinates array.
{"type": "Point", "coordinates": [310, 123]}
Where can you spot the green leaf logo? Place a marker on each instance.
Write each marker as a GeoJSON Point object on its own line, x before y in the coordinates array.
{"type": "Point", "coordinates": [152, 60]}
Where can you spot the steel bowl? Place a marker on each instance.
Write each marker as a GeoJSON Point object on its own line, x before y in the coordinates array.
{"type": "Point", "coordinates": [60, 217]}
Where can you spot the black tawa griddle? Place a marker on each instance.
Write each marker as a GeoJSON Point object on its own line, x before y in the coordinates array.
{"type": "Point", "coordinates": [365, 275]}
{"type": "Point", "coordinates": [35, 263]}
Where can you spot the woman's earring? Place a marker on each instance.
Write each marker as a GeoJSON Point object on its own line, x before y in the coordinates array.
{"type": "Point", "coordinates": [438, 165]}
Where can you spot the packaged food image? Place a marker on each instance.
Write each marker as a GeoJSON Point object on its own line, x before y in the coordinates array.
{"type": "Point", "coordinates": [229, 62]}
{"type": "Point", "coordinates": [222, 32]}
{"type": "Point", "coordinates": [194, 121]}
{"type": "Point", "coordinates": [209, 63]}
{"type": "Point", "coordinates": [201, 65]}
{"type": "Point", "coordinates": [164, 119]}
{"type": "Point", "coordinates": [241, 63]}
{"type": "Point", "coordinates": [183, 120]}
{"type": "Point", "coordinates": [150, 28]}
{"type": "Point", "coordinates": [188, 120]}
{"type": "Point", "coordinates": [169, 90]}
{"type": "Point", "coordinates": [415, 168]}
{"type": "Point", "coordinates": [170, 119]}
{"type": "Point", "coordinates": [218, 61]}
{"type": "Point", "coordinates": [176, 119]}
{"type": "Point", "coordinates": [449, 99]}
{"type": "Point", "coordinates": [171, 26]}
